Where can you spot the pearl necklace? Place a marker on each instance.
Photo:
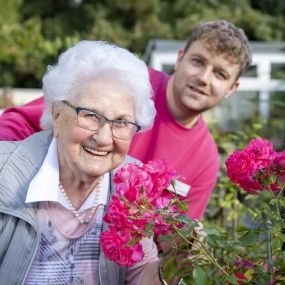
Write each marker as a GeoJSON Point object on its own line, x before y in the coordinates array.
{"type": "Point", "coordinates": [76, 213]}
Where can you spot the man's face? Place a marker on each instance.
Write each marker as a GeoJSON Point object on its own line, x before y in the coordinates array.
{"type": "Point", "coordinates": [201, 79]}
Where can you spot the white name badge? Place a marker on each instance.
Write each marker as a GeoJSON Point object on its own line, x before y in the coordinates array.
{"type": "Point", "coordinates": [181, 188]}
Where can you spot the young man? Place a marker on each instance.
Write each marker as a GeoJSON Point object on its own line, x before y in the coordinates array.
{"type": "Point", "coordinates": [207, 70]}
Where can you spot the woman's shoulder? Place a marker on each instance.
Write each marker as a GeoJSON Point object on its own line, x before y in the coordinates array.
{"type": "Point", "coordinates": [6, 149]}
{"type": "Point", "coordinates": [128, 159]}
{"type": "Point", "coordinates": [131, 159]}
{"type": "Point", "coordinates": [34, 147]}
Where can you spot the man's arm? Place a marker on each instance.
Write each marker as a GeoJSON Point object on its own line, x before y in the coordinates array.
{"type": "Point", "coordinates": [17, 123]}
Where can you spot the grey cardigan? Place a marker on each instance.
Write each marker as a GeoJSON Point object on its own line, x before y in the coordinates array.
{"type": "Point", "coordinates": [19, 233]}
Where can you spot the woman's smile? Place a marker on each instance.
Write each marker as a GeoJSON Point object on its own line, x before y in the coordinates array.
{"type": "Point", "coordinates": [93, 151]}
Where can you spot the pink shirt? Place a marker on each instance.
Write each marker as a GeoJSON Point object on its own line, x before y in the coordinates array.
{"type": "Point", "coordinates": [192, 152]}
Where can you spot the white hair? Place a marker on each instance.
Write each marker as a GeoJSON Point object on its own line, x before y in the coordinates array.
{"type": "Point", "coordinates": [89, 60]}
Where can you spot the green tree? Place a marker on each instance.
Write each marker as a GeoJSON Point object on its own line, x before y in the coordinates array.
{"type": "Point", "coordinates": [33, 33]}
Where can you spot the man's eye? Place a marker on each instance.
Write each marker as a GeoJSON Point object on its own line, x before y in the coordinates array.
{"type": "Point", "coordinates": [221, 75]}
{"type": "Point", "coordinates": [197, 61]}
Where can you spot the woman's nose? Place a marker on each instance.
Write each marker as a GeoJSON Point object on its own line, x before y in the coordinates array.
{"type": "Point", "coordinates": [103, 135]}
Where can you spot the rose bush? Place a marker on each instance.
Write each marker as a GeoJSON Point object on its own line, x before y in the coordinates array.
{"type": "Point", "coordinates": [262, 175]}
{"type": "Point", "coordinates": [252, 254]}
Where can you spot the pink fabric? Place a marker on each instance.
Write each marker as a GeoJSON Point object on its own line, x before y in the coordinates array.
{"type": "Point", "coordinates": [192, 152]}
{"type": "Point", "coordinates": [68, 250]}
{"type": "Point", "coordinates": [17, 123]}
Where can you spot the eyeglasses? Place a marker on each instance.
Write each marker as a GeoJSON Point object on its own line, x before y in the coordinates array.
{"type": "Point", "coordinates": [90, 119]}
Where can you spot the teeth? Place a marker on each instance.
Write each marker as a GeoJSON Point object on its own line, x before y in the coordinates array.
{"type": "Point", "coordinates": [94, 151]}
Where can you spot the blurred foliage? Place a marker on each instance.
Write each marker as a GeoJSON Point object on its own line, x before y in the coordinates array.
{"type": "Point", "coordinates": [227, 201]}
{"type": "Point", "coordinates": [33, 33]}
{"type": "Point", "coordinates": [232, 216]}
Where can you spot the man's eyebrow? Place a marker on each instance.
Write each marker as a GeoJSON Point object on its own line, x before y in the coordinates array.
{"type": "Point", "coordinates": [197, 54]}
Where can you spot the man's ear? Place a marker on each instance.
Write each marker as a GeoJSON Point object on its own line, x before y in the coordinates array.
{"type": "Point", "coordinates": [233, 88]}
{"type": "Point", "coordinates": [179, 58]}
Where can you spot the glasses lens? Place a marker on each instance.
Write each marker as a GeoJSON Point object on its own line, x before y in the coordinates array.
{"type": "Point", "coordinates": [88, 120]}
{"type": "Point", "coordinates": [123, 131]}
{"type": "Point", "coordinates": [92, 121]}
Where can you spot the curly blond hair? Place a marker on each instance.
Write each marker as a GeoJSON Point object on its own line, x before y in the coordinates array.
{"type": "Point", "coordinates": [222, 37]}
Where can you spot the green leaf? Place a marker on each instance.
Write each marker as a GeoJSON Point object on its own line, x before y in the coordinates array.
{"type": "Point", "coordinates": [200, 276]}
{"type": "Point", "coordinates": [164, 237]}
{"type": "Point", "coordinates": [132, 242]}
{"type": "Point", "coordinates": [149, 226]}
{"type": "Point", "coordinates": [272, 179]}
{"type": "Point", "coordinates": [241, 228]}
{"type": "Point", "coordinates": [187, 231]}
{"type": "Point", "coordinates": [249, 238]}
{"type": "Point", "coordinates": [185, 219]}
{"type": "Point", "coordinates": [214, 232]}
{"type": "Point", "coordinates": [169, 269]}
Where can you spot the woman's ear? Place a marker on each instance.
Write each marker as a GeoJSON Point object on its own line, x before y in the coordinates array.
{"type": "Point", "coordinates": [55, 111]}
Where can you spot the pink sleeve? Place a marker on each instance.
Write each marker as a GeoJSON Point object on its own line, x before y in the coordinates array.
{"type": "Point", "coordinates": [17, 123]}
{"type": "Point", "coordinates": [135, 273]}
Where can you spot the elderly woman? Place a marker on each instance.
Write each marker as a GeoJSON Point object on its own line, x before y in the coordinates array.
{"type": "Point", "coordinates": [55, 184]}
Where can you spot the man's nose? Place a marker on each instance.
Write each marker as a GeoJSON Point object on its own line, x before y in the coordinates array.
{"type": "Point", "coordinates": [205, 75]}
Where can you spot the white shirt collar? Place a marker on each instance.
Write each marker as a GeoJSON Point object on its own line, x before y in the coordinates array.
{"type": "Point", "coordinates": [44, 186]}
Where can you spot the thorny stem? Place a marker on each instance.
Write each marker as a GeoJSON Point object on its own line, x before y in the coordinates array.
{"type": "Point", "coordinates": [203, 249]}
{"type": "Point", "coordinates": [282, 205]}
{"type": "Point", "coordinates": [179, 202]}
{"type": "Point", "coordinates": [268, 245]}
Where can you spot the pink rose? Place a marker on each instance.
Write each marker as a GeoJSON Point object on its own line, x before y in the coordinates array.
{"type": "Point", "coordinates": [279, 160]}
{"type": "Point", "coordinates": [278, 166]}
{"type": "Point", "coordinates": [240, 165]}
{"type": "Point", "coordinates": [161, 227]}
{"type": "Point", "coordinates": [117, 213]}
{"type": "Point", "coordinates": [115, 248]}
{"type": "Point", "coordinates": [134, 211]}
{"type": "Point", "coordinates": [274, 187]}
{"type": "Point", "coordinates": [161, 174]}
{"type": "Point", "coordinates": [162, 200]}
{"type": "Point", "coordinates": [124, 216]}
{"type": "Point", "coordinates": [262, 150]}
{"type": "Point", "coordinates": [250, 185]}
{"type": "Point", "coordinates": [130, 179]}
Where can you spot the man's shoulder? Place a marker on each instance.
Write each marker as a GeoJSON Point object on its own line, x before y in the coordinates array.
{"type": "Point", "coordinates": [158, 79]}
{"type": "Point", "coordinates": [157, 74]}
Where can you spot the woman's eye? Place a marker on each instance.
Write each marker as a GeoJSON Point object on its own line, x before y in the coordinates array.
{"type": "Point", "coordinates": [90, 116]}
